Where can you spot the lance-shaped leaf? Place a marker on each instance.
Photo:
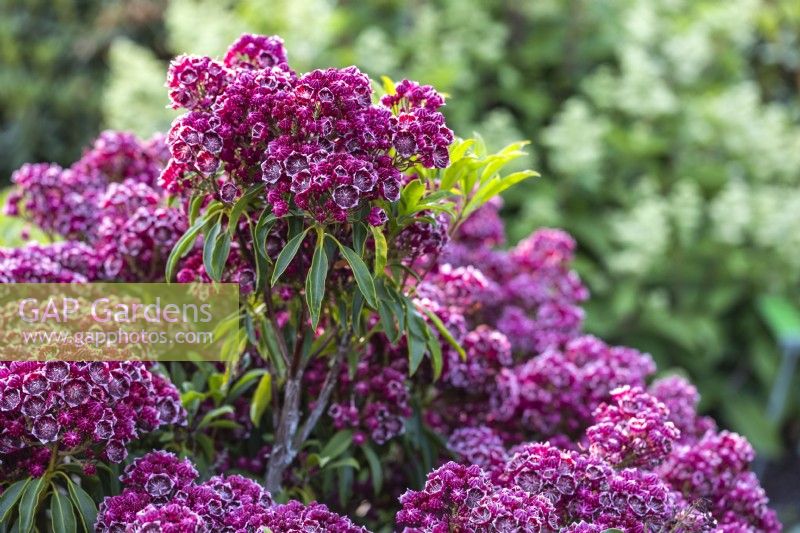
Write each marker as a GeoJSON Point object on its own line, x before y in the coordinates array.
{"type": "Point", "coordinates": [361, 272]}
{"type": "Point", "coordinates": [287, 254]}
{"type": "Point", "coordinates": [315, 282]}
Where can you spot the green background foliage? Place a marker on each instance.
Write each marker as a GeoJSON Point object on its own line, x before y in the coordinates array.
{"type": "Point", "coordinates": [667, 133]}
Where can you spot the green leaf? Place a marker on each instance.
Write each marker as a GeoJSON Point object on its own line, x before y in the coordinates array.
{"type": "Point", "coordinates": [190, 396]}
{"type": "Point", "coordinates": [360, 271]}
{"type": "Point", "coordinates": [444, 332]}
{"type": "Point", "coordinates": [375, 469]}
{"type": "Point", "coordinates": [453, 175]}
{"type": "Point", "coordinates": [612, 530]}
{"type": "Point", "coordinates": [182, 247]}
{"type": "Point", "coordinates": [261, 399]}
{"type": "Point", "coordinates": [388, 321]}
{"type": "Point", "coordinates": [29, 504]}
{"type": "Point", "coordinates": [459, 148]}
{"type": "Point", "coordinates": [194, 207]}
{"type": "Point", "coordinates": [242, 204]}
{"type": "Point", "coordinates": [62, 515]}
{"type": "Point", "coordinates": [209, 243]}
{"type": "Point", "coordinates": [244, 382]}
{"type": "Point", "coordinates": [212, 414]}
{"type": "Point", "coordinates": [87, 510]}
{"type": "Point", "coordinates": [315, 282]}
{"type": "Point", "coordinates": [495, 186]}
{"type": "Point", "coordinates": [268, 346]}
{"type": "Point", "coordinates": [355, 316]}
{"type": "Point", "coordinates": [335, 447]}
{"type": "Point", "coordinates": [411, 195]}
{"type": "Point", "coordinates": [341, 463]}
{"type": "Point", "coordinates": [287, 254]}
{"type": "Point", "coordinates": [436, 356]}
{"type": "Point", "coordinates": [10, 497]}
{"type": "Point", "coordinates": [388, 85]}
{"type": "Point", "coordinates": [219, 255]}
{"type": "Point", "coordinates": [417, 340]}
{"type": "Point", "coordinates": [260, 232]}
{"type": "Point", "coordinates": [359, 237]}
{"type": "Point", "coordinates": [381, 251]}
{"type": "Point", "coordinates": [416, 351]}
{"type": "Point", "coordinates": [224, 424]}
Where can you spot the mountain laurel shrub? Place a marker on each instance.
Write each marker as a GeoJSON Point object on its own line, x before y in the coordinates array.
{"type": "Point", "coordinates": [666, 132]}
{"type": "Point", "coordinates": [399, 368]}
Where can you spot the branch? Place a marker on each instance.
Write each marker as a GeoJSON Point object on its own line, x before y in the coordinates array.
{"type": "Point", "coordinates": [325, 393]}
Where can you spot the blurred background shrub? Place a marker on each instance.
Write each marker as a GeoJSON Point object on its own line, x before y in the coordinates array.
{"type": "Point", "coordinates": [667, 132]}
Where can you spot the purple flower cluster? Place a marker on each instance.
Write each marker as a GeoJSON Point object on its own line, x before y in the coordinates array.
{"type": "Point", "coordinates": [703, 485]}
{"type": "Point", "coordinates": [681, 399]}
{"type": "Point", "coordinates": [423, 239]}
{"type": "Point", "coordinates": [294, 516]}
{"type": "Point", "coordinates": [161, 493]}
{"type": "Point", "coordinates": [487, 352]}
{"type": "Point", "coordinates": [463, 498]}
{"type": "Point", "coordinates": [484, 228]}
{"type": "Point", "coordinates": [53, 198]}
{"type": "Point", "coordinates": [315, 140]}
{"type": "Point", "coordinates": [107, 200]}
{"type": "Point", "coordinates": [374, 401]}
{"type": "Point", "coordinates": [257, 52]}
{"type": "Point", "coordinates": [633, 429]}
{"type": "Point", "coordinates": [160, 490]}
{"type": "Point", "coordinates": [715, 469]}
{"type": "Point", "coordinates": [535, 294]}
{"type": "Point", "coordinates": [60, 262]}
{"type": "Point", "coordinates": [421, 130]}
{"type": "Point", "coordinates": [478, 446]}
{"type": "Point", "coordinates": [85, 410]}
{"type": "Point", "coordinates": [585, 488]}
{"type": "Point", "coordinates": [64, 201]}
{"type": "Point", "coordinates": [460, 288]}
{"type": "Point", "coordinates": [557, 392]}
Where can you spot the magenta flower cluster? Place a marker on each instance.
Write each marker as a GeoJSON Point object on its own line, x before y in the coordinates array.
{"type": "Point", "coordinates": [463, 498]}
{"type": "Point", "coordinates": [681, 399]}
{"type": "Point", "coordinates": [632, 429]}
{"type": "Point", "coordinates": [60, 262]}
{"type": "Point", "coordinates": [374, 401]}
{"type": "Point", "coordinates": [610, 455]}
{"type": "Point", "coordinates": [480, 446]}
{"type": "Point", "coordinates": [423, 239]}
{"type": "Point", "coordinates": [536, 297]}
{"type": "Point", "coordinates": [316, 140]}
{"type": "Point", "coordinates": [161, 493]}
{"type": "Point", "coordinates": [107, 200]}
{"type": "Point", "coordinates": [627, 475]}
{"type": "Point", "coordinates": [90, 411]}
{"type": "Point", "coordinates": [557, 391]}
{"type": "Point", "coordinates": [715, 469]}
